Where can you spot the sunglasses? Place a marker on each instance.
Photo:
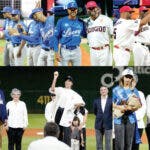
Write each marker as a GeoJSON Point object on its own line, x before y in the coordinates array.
{"type": "Point", "coordinates": [128, 76]}
{"type": "Point", "coordinates": [91, 8]}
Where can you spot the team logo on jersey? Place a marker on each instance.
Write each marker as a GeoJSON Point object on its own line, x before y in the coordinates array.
{"type": "Point", "coordinates": [97, 29]}
{"type": "Point", "coordinates": [69, 32]}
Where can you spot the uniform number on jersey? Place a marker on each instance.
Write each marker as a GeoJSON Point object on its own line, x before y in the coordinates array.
{"type": "Point", "coordinates": [115, 33]}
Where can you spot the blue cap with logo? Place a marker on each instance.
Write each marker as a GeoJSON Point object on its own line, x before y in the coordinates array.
{"type": "Point", "coordinates": [7, 9]}
{"type": "Point", "coordinates": [72, 5]}
{"type": "Point", "coordinates": [35, 11]}
{"type": "Point", "coordinates": [16, 12]}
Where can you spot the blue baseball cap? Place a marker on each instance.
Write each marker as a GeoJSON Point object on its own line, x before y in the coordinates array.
{"type": "Point", "coordinates": [16, 12]}
{"type": "Point", "coordinates": [7, 9]}
{"type": "Point", "coordinates": [72, 5]}
{"type": "Point", "coordinates": [35, 11]}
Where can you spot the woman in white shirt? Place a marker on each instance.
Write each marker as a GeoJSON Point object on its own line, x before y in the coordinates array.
{"type": "Point", "coordinates": [17, 120]}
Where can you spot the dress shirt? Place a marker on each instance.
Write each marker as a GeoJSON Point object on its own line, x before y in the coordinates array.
{"type": "Point", "coordinates": [17, 114]}
{"type": "Point", "coordinates": [103, 103]}
{"type": "Point", "coordinates": [48, 143]}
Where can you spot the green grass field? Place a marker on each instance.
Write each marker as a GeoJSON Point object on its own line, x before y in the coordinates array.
{"type": "Point", "coordinates": [2, 43]}
{"type": "Point", "coordinates": [38, 121]}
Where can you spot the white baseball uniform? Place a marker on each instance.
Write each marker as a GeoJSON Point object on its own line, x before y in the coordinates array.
{"type": "Point", "coordinates": [67, 98]}
{"type": "Point", "coordinates": [123, 40]}
{"type": "Point", "coordinates": [98, 35]}
{"type": "Point", "coordinates": [140, 50]}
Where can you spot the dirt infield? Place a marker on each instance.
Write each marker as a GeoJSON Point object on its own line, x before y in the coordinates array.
{"type": "Point", "coordinates": [89, 132]}
{"type": "Point", "coordinates": [85, 57]}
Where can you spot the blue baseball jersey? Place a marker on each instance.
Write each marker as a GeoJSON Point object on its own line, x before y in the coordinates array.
{"type": "Point", "coordinates": [8, 23]}
{"type": "Point", "coordinates": [68, 32]}
{"type": "Point", "coordinates": [47, 33]}
{"type": "Point", "coordinates": [34, 35]}
{"type": "Point", "coordinates": [16, 39]}
{"type": "Point", "coordinates": [119, 94]}
{"type": "Point", "coordinates": [3, 113]}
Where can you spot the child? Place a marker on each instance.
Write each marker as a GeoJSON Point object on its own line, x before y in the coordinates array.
{"type": "Point", "coordinates": [76, 134]}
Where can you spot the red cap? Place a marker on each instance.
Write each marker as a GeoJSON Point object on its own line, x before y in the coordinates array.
{"type": "Point", "coordinates": [91, 4]}
{"type": "Point", "coordinates": [125, 9]}
{"type": "Point", "coordinates": [142, 8]}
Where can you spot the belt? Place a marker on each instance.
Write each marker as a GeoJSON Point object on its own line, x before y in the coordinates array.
{"type": "Point", "coordinates": [28, 45]}
{"type": "Point", "coordinates": [100, 48]}
{"type": "Point", "coordinates": [16, 45]}
{"type": "Point", "coordinates": [48, 49]}
{"type": "Point", "coordinates": [69, 47]}
{"type": "Point", "coordinates": [126, 49]}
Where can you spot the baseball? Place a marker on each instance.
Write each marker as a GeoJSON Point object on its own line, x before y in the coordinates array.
{"type": "Point", "coordinates": [56, 73]}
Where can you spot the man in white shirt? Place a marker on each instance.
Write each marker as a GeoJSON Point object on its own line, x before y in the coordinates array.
{"type": "Point", "coordinates": [50, 141]}
{"type": "Point", "coordinates": [103, 122]}
{"type": "Point", "coordinates": [17, 120]}
{"type": "Point", "coordinates": [67, 101]}
{"type": "Point", "coordinates": [99, 33]}
{"type": "Point", "coordinates": [124, 30]}
{"type": "Point", "coordinates": [50, 109]}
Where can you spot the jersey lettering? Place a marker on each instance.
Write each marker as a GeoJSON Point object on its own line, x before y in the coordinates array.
{"type": "Point", "coordinates": [97, 29]}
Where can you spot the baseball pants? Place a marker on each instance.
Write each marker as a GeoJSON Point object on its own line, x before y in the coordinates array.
{"type": "Point", "coordinates": [139, 53]}
{"type": "Point", "coordinates": [6, 53]}
{"type": "Point", "coordinates": [46, 58]}
{"type": "Point", "coordinates": [18, 61]}
{"type": "Point", "coordinates": [100, 57]}
{"type": "Point", "coordinates": [11, 55]}
{"type": "Point", "coordinates": [73, 56]}
{"type": "Point", "coordinates": [99, 139]}
{"type": "Point", "coordinates": [121, 57]}
{"type": "Point", "coordinates": [124, 134]}
{"type": "Point", "coordinates": [75, 144]}
{"type": "Point", "coordinates": [32, 55]}
{"type": "Point", "coordinates": [14, 138]}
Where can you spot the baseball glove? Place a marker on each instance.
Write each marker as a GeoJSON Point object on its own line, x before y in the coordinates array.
{"type": "Point", "coordinates": [134, 102]}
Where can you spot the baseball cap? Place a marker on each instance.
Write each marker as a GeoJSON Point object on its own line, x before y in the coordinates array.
{"type": "Point", "coordinates": [72, 5]}
{"type": "Point", "coordinates": [7, 9]}
{"type": "Point", "coordinates": [69, 78]}
{"type": "Point", "coordinates": [127, 71]}
{"type": "Point", "coordinates": [91, 4]}
{"type": "Point", "coordinates": [125, 9]}
{"type": "Point", "coordinates": [35, 11]}
{"type": "Point", "coordinates": [142, 8]}
{"type": "Point", "coordinates": [16, 12]}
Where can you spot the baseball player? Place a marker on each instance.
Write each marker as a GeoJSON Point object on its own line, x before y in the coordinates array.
{"type": "Point", "coordinates": [33, 39]}
{"type": "Point", "coordinates": [124, 30]}
{"type": "Point", "coordinates": [15, 39]}
{"type": "Point", "coordinates": [68, 33]}
{"type": "Point", "coordinates": [142, 42]}
{"type": "Point", "coordinates": [67, 101]}
{"type": "Point", "coordinates": [7, 24]}
{"type": "Point", "coordinates": [99, 33]}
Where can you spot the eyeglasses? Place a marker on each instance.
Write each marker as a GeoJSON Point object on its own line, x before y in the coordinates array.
{"type": "Point", "coordinates": [129, 76]}
{"type": "Point", "coordinates": [91, 8]}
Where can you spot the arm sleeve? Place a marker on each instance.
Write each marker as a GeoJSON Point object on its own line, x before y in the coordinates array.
{"type": "Point", "coordinates": [110, 30]}
{"type": "Point", "coordinates": [148, 110]}
{"type": "Point", "coordinates": [140, 113]}
{"type": "Point", "coordinates": [134, 24]}
{"type": "Point", "coordinates": [48, 113]}
{"type": "Point", "coordinates": [57, 35]}
{"type": "Point", "coordinates": [84, 34]}
{"type": "Point", "coordinates": [25, 116]}
{"type": "Point", "coordinates": [95, 108]}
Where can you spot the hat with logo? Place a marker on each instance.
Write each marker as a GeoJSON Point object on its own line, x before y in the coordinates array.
{"type": "Point", "coordinates": [143, 8]}
{"type": "Point", "coordinates": [7, 9]}
{"type": "Point", "coordinates": [35, 11]}
{"type": "Point", "coordinates": [16, 12]}
{"type": "Point", "coordinates": [127, 71]}
{"type": "Point", "coordinates": [72, 5]}
{"type": "Point", "coordinates": [125, 9]}
{"type": "Point", "coordinates": [91, 4]}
